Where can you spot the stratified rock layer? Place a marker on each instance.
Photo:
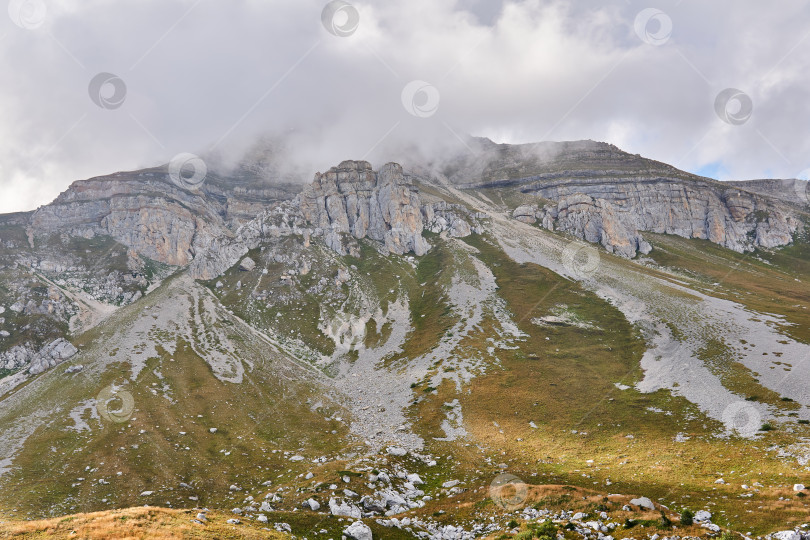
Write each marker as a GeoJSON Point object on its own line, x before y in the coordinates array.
{"type": "Point", "coordinates": [614, 213]}
{"type": "Point", "coordinates": [352, 200]}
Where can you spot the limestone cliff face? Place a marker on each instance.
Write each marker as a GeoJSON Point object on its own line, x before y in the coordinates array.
{"type": "Point", "coordinates": [353, 201]}
{"type": "Point", "coordinates": [613, 213]}
{"type": "Point", "coordinates": [146, 212]}
{"type": "Point", "coordinates": [595, 220]}
{"type": "Point", "coordinates": [603, 194]}
{"type": "Point", "coordinates": [143, 211]}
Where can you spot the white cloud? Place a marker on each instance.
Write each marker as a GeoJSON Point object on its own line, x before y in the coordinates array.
{"type": "Point", "coordinates": [198, 72]}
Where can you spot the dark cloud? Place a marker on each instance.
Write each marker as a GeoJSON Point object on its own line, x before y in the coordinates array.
{"type": "Point", "coordinates": [209, 77]}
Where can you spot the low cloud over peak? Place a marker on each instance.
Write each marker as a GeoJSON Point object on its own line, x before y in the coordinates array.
{"type": "Point", "coordinates": [93, 87]}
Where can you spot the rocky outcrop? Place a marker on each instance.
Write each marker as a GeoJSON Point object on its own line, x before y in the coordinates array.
{"type": "Point", "coordinates": [142, 211]}
{"type": "Point", "coordinates": [279, 220]}
{"type": "Point", "coordinates": [790, 190]}
{"type": "Point", "coordinates": [455, 219]}
{"type": "Point", "coordinates": [614, 213]}
{"type": "Point", "coordinates": [351, 201]}
{"type": "Point", "coordinates": [52, 354]}
{"type": "Point", "coordinates": [598, 221]}
{"type": "Point", "coordinates": [630, 194]}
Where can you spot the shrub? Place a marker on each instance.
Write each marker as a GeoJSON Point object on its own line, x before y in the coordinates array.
{"type": "Point", "coordinates": [547, 529]}
{"type": "Point", "coordinates": [687, 517]}
{"type": "Point", "coordinates": [766, 427]}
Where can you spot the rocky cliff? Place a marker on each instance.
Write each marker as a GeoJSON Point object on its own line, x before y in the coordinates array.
{"type": "Point", "coordinates": [592, 190]}
{"type": "Point", "coordinates": [614, 212]}
{"type": "Point", "coordinates": [600, 193]}
{"type": "Point", "coordinates": [353, 201]}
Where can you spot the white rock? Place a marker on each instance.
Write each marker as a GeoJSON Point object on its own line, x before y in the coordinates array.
{"type": "Point", "coordinates": [787, 535]}
{"type": "Point", "coordinates": [643, 502]}
{"type": "Point", "coordinates": [247, 264]}
{"type": "Point", "coordinates": [358, 531]}
{"type": "Point", "coordinates": [146, 493]}
{"type": "Point", "coordinates": [415, 479]}
{"type": "Point", "coordinates": [798, 487]}
{"type": "Point", "coordinates": [450, 483]}
{"type": "Point", "coordinates": [213, 430]}
{"type": "Point", "coordinates": [313, 504]}
{"type": "Point", "coordinates": [262, 518]}
{"type": "Point", "coordinates": [703, 515]}
{"type": "Point", "coordinates": [344, 509]}
{"type": "Point", "coordinates": [396, 451]}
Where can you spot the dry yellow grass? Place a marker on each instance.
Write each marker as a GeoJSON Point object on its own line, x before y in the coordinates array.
{"type": "Point", "coordinates": [137, 523]}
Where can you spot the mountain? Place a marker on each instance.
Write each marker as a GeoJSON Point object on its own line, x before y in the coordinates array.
{"type": "Point", "coordinates": [511, 341]}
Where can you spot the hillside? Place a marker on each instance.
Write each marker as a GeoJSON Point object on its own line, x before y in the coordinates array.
{"type": "Point", "coordinates": [526, 341]}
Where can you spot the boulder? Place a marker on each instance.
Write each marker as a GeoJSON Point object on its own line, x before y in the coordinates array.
{"type": "Point", "coordinates": [787, 535]}
{"type": "Point", "coordinates": [525, 213]}
{"type": "Point", "coordinates": [247, 264]}
{"type": "Point", "coordinates": [344, 509]}
{"type": "Point", "coordinates": [702, 515]}
{"type": "Point", "coordinates": [415, 479]}
{"type": "Point", "coordinates": [358, 531]}
{"type": "Point", "coordinates": [643, 502]}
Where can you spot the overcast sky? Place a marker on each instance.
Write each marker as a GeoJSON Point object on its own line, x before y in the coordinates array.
{"type": "Point", "coordinates": [356, 80]}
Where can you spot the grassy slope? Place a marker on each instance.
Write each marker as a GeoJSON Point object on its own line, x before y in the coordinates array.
{"type": "Point", "coordinates": [267, 412]}
{"type": "Point", "coordinates": [143, 523]}
{"type": "Point", "coordinates": [561, 378]}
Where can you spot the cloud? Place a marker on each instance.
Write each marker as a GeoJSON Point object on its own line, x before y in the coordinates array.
{"type": "Point", "coordinates": [210, 77]}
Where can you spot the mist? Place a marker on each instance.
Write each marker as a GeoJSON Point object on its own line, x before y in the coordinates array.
{"type": "Point", "coordinates": [98, 86]}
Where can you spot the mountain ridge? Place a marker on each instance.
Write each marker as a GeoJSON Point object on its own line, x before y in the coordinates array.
{"type": "Point", "coordinates": [317, 362]}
